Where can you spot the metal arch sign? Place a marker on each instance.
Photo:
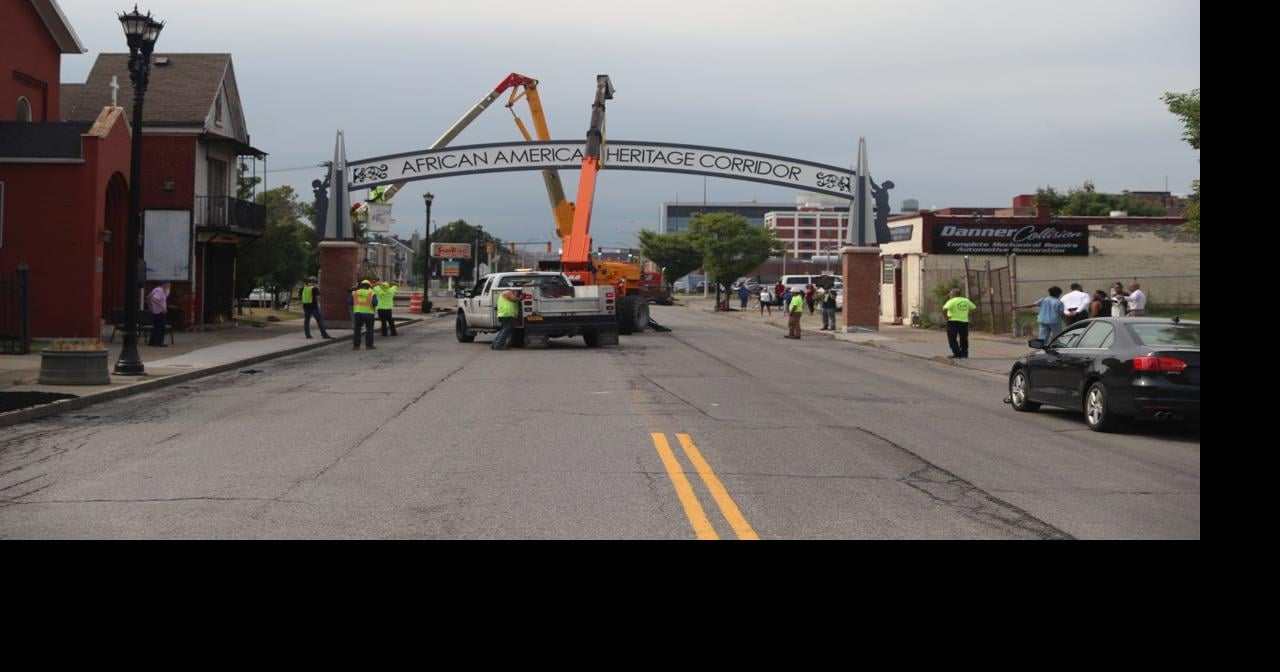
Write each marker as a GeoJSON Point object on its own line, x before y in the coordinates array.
{"type": "Point", "coordinates": [619, 155]}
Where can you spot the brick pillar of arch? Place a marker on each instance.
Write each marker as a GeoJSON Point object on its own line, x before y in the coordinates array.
{"type": "Point", "coordinates": [339, 264]}
{"type": "Point", "coordinates": [861, 289]}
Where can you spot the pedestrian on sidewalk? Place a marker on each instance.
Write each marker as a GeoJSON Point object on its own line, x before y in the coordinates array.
{"type": "Point", "coordinates": [311, 308]}
{"type": "Point", "coordinates": [810, 296]}
{"type": "Point", "coordinates": [829, 310]}
{"type": "Point", "coordinates": [386, 303]}
{"type": "Point", "coordinates": [1076, 303]}
{"type": "Point", "coordinates": [158, 303]}
{"type": "Point", "coordinates": [1050, 317]}
{"type": "Point", "coordinates": [795, 310]}
{"type": "Point", "coordinates": [1137, 301]}
{"type": "Point", "coordinates": [363, 303]}
{"type": "Point", "coordinates": [779, 291]}
{"type": "Point", "coordinates": [766, 300]}
{"type": "Point", "coordinates": [957, 310]}
{"type": "Point", "coordinates": [743, 295]}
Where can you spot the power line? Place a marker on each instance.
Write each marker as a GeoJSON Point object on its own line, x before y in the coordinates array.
{"type": "Point", "coordinates": [287, 170]}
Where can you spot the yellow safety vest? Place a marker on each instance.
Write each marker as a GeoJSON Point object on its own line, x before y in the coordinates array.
{"type": "Point", "coordinates": [363, 301]}
{"type": "Point", "coordinates": [307, 293]}
{"type": "Point", "coordinates": [386, 298]}
{"type": "Point", "coordinates": [507, 307]}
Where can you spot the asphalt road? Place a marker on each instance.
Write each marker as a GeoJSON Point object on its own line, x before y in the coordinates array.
{"type": "Point", "coordinates": [719, 429]}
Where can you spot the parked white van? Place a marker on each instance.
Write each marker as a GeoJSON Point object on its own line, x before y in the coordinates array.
{"type": "Point", "coordinates": [794, 282]}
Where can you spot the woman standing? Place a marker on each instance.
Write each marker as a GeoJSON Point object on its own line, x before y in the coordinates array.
{"type": "Point", "coordinates": [1118, 304]}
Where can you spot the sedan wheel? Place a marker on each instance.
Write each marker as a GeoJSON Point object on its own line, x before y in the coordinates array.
{"type": "Point", "coordinates": [1096, 414]}
{"type": "Point", "coordinates": [1018, 393]}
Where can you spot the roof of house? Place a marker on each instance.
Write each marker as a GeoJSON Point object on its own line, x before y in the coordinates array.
{"type": "Point", "coordinates": [181, 93]}
{"type": "Point", "coordinates": [59, 27]}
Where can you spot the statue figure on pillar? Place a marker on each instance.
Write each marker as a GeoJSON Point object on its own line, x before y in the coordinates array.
{"type": "Point", "coordinates": [880, 193]}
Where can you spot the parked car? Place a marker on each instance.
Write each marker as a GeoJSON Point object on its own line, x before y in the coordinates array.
{"type": "Point", "coordinates": [1113, 368]}
{"type": "Point", "coordinates": [261, 298]}
{"type": "Point", "coordinates": [799, 282]}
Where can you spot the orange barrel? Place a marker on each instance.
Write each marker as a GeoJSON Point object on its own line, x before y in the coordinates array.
{"type": "Point", "coordinates": [415, 303]}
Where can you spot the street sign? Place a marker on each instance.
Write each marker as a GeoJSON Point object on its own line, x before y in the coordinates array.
{"type": "Point", "coordinates": [450, 250]}
{"type": "Point", "coordinates": [379, 217]}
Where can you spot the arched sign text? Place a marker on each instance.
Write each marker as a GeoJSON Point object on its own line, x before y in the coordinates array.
{"type": "Point", "coordinates": [619, 155]}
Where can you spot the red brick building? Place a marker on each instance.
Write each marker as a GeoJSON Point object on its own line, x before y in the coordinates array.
{"type": "Point", "coordinates": [194, 137]}
{"type": "Point", "coordinates": [64, 187]}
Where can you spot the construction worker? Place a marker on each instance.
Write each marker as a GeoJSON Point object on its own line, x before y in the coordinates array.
{"type": "Point", "coordinates": [311, 308]}
{"type": "Point", "coordinates": [795, 309]}
{"type": "Point", "coordinates": [508, 310]}
{"type": "Point", "coordinates": [363, 303]}
{"type": "Point", "coordinates": [386, 302]}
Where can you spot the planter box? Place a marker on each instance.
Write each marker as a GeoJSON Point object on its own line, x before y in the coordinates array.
{"type": "Point", "coordinates": [74, 367]}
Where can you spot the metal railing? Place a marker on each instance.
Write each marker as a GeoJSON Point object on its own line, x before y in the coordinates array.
{"type": "Point", "coordinates": [230, 214]}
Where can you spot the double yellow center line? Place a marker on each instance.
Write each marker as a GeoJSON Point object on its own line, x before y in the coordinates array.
{"type": "Point", "coordinates": [692, 507]}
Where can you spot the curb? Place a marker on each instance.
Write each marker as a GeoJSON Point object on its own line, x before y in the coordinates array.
{"type": "Point", "coordinates": [37, 412]}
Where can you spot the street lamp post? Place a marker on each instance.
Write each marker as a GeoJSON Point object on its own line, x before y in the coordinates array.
{"type": "Point", "coordinates": [141, 33]}
{"type": "Point", "coordinates": [475, 258]}
{"type": "Point", "coordinates": [427, 198]}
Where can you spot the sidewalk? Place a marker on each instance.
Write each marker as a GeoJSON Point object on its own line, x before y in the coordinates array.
{"type": "Point", "coordinates": [193, 355]}
{"type": "Point", "coordinates": [987, 352]}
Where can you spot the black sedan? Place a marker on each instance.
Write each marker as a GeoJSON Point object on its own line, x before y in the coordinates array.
{"type": "Point", "coordinates": [1113, 368]}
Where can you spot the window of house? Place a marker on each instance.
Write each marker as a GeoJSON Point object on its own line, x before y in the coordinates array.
{"type": "Point", "coordinates": [24, 109]}
{"type": "Point", "coordinates": [217, 110]}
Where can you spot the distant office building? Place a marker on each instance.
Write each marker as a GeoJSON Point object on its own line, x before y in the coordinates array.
{"type": "Point", "coordinates": [675, 216]}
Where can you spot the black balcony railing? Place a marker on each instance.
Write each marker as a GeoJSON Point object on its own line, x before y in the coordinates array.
{"type": "Point", "coordinates": [225, 213]}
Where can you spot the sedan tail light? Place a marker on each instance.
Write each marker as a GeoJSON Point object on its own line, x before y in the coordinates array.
{"type": "Point", "coordinates": [1166, 364]}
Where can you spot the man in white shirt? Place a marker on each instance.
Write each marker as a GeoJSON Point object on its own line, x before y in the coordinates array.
{"type": "Point", "coordinates": [1137, 301]}
{"type": "Point", "coordinates": [1076, 304]}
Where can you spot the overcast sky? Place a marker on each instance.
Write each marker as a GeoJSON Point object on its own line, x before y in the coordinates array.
{"type": "Point", "coordinates": [962, 103]}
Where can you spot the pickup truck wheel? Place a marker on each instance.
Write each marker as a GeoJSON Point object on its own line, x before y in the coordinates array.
{"type": "Point", "coordinates": [592, 338]}
{"type": "Point", "coordinates": [460, 330]}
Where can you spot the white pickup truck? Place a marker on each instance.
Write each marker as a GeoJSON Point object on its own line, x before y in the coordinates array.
{"type": "Point", "coordinates": [550, 307]}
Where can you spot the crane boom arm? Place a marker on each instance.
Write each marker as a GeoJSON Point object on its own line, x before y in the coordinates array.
{"type": "Point", "coordinates": [577, 251]}
{"type": "Point", "coordinates": [476, 110]}
{"type": "Point", "coordinates": [561, 208]}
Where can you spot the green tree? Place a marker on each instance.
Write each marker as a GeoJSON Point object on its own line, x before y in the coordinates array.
{"type": "Point", "coordinates": [730, 246]}
{"type": "Point", "coordinates": [673, 252]}
{"type": "Point", "coordinates": [1087, 201]}
{"type": "Point", "coordinates": [245, 183]}
{"type": "Point", "coordinates": [285, 255]}
{"type": "Point", "coordinates": [1186, 106]}
{"type": "Point", "coordinates": [1192, 215]}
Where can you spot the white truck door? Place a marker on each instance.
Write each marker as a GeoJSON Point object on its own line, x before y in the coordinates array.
{"type": "Point", "coordinates": [485, 312]}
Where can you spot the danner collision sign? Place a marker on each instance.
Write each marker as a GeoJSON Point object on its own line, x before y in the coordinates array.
{"type": "Point", "coordinates": [998, 239]}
